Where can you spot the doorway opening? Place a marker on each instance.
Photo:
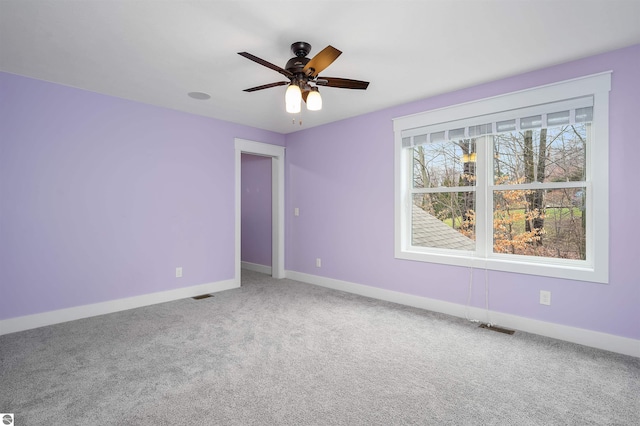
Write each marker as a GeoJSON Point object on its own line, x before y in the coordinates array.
{"type": "Point", "coordinates": [276, 154]}
{"type": "Point", "coordinates": [256, 214]}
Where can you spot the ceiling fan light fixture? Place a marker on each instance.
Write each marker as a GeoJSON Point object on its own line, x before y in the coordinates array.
{"type": "Point", "coordinates": [293, 98]}
{"type": "Point", "coordinates": [302, 72]}
{"type": "Point", "coordinates": [314, 100]}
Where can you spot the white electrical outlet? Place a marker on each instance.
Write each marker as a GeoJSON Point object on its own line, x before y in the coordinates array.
{"type": "Point", "coordinates": [318, 262]}
{"type": "Point", "coordinates": [179, 272]}
{"type": "Point", "coordinates": [545, 297]}
{"type": "Point", "coordinates": [296, 212]}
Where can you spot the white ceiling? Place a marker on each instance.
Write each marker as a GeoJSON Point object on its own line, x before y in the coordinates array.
{"type": "Point", "coordinates": [157, 51]}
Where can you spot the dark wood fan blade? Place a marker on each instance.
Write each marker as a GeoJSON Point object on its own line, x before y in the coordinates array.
{"type": "Point", "coordinates": [342, 83]}
{"type": "Point", "coordinates": [266, 64]}
{"type": "Point", "coordinates": [266, 86]}
{"type": "Point", "coordinates": [322, 60]}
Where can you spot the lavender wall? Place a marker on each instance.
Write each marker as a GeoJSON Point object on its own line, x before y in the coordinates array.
{"type": "Point", "coordinates": [102, 198]}
{"type": "Point", "coordinates": [341, 177]}
{"type": "Point", "coordinates": [256, 209]}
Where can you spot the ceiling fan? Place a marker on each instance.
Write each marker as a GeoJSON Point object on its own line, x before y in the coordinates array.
{"type": "Point", "coordinates": [304, 80]}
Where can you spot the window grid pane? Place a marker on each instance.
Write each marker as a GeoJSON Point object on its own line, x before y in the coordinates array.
{"type": "Point", "coordinates": [450, 163]}
{"type": "Point", "coordinates": [443, 220]}
{"type": "Point", "coordinates": [553, 154]}
{"type": "Point", "coordinates": [555, 229]}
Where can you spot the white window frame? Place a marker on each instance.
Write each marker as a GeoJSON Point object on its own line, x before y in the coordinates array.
{"type": "Point", "coordinates": [596, 266]}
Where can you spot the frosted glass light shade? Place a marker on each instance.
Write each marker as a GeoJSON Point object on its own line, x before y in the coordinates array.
{"type": "Point", "coordinates": [292, 98]}
{"type": "Point", "coordinates": [314, 101]}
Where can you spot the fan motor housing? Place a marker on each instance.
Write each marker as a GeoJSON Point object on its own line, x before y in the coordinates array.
{"type": "Point", "coordinates": [301, 49]}
{"type": "Point", "coordinates": [296, 65]}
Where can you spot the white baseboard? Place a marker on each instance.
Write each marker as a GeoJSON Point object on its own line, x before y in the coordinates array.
{"type": "Point", "coordinates": [595, 339]}
{"type": "Point", "coordinates": [28, 322]}
{"type": "Point", "coordinates": [256, 267]}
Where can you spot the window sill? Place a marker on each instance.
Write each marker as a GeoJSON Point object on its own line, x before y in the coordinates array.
{"type": "Point", "coordinates": [565, 269]}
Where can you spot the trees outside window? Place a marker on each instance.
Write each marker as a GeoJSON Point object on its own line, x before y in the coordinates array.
{"type": "Point", "coordinates": [527, 221]}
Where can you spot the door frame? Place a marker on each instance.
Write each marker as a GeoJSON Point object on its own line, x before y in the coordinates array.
{"type": "Point", "coordinates": [276, 153]}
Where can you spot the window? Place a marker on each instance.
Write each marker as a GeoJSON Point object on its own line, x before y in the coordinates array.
{"type": "Point", "coordinates": [518, 182]}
